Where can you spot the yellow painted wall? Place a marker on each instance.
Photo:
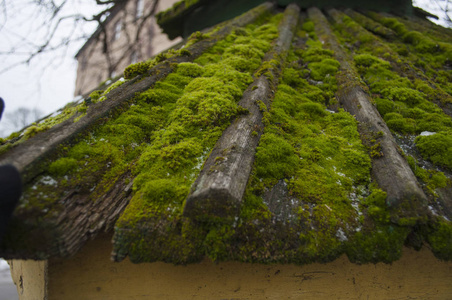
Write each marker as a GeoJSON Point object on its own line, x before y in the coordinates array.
{"type": "Point", "coordinates": [29, 276]}
{"type": "Point", "coordinates": [91, 275]}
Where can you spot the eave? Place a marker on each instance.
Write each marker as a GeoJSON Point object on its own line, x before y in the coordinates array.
{"type": "Point", "coordinates": [186, 17]}
{"type": "Point", "coordinates": [178, 195]}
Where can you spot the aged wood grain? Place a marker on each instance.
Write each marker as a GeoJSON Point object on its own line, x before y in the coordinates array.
{"type": "Point", "coordinates": [390, 170]}
{"type": "Point", "coordinates": [76, 218]}
{"type": "Point", "coordinates": [218, 190]}
{"type": "Point", "coordinates": [442, 99]}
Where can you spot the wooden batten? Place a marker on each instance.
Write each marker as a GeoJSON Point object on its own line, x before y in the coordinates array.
{"type": "Point", "coordinates": [219, 189]}
{"type": "Point", "coordinates": [389, 167]}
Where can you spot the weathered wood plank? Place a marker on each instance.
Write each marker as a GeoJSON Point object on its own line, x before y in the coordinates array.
{"type": "Point", "coordinates": [26, 156]}
{"type": "Point", "coordinates": [79, 218]}
{"type": "Point", "coordinates": [389, 168]}
{"type": "Point", "coordinates": [35, 235]}
{"type": "Point", "coordinates": [442, 99]}
{"type": "Point", "coordinates": [219, 189]}
{"type": "Point", "coordinates": [369, 24]}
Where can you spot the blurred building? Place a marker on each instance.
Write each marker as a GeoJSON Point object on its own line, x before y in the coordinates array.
{"type": "Point", "coordinates": [130, 34]}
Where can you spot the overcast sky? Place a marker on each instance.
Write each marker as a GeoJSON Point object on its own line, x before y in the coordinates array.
{"type": "Point", "coordinates": [48, 82]}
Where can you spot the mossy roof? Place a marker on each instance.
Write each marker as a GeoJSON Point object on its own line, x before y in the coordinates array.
{"type": "Point", "coordinates": [282, 135]}
{"type": "Point", "coordinates": [187, 16]}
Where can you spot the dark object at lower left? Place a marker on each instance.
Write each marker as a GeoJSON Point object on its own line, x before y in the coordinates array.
{"type": "Point", "coordinates": [10, 192]}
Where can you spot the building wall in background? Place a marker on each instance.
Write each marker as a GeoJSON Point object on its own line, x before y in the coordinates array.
{"type": "Point", "coordinates": [95, 65]}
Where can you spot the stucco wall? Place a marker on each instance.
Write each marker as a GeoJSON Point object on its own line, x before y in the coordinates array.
{"type": "Point", "coordinates": [91, 275]}
{"type": "Point", "coordinates": [30, 278]}
{"type": "Point", "coordinates": [93, 64]}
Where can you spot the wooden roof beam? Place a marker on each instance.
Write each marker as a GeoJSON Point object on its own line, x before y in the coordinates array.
{"type": "Point", "coordinates": [219, 189]}
{"type": "Point", "coordinates": [390, 169]}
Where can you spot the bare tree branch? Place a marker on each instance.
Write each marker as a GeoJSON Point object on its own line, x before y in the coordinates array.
{"type": "Point", "coordinates": [444, 6]}
{"type": "Point", "coordinates": [59, 29]}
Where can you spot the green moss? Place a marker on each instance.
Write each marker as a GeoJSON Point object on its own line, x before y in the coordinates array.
{"type": "Point", "coordinates": [13, 135]}
{"type": "Point", "coordinates": [268, 68]}
{"type": "Point", "coordinates": [95, 95]}
{"type": "Point", "coordinates": [190, 69]}
{"type": "Point", "coordinates": [112, 87]}
{"type": "Point", "coordinates": [170, 163]}
{"type": "Point", "coordinates": [137, 69]}
{"type": "Point", "coordinates": [381, 244]}
{"type": "Point", "coordinates": [420, 49]}
{"type": "Point", "coordinates": [177, 80]}
{"type": "Point", "coordinates": [315, 53]}
{"type": "Point", "coordinates": [318, 157]}
{"type": "Point", "coordinates": [385, 106]}
{"type": "Point", "coordinates": [214, 85]}
{"type": "Point", "coordinates": [407, 95]}
{"type": "Point", "coordinates": [262, 106]}
{"type": "Point", "coordinates": [228, 75]}
{"type": "Point", "coordinates": [275, 157]}
{"type": "Point", "coordinates": [440, 239]}
{"type": "Point", "coordinates": [430, 179]}
{"type": "Point", "coordinates": [405, 106]}
{"type": "Point", "coordinates": [402, 125]}
{"type": "Point", "coordinates": [367, 60]}
{"type": "Point", "coordinates": [420, 42]}
{"type": "Point", "coordinates": [96, 161]}
{"type": "Point", "coordinates": [63, 166]}
{"type": "Point", "coordinates": [158, 96]}
{"type": "Point", "coordinates": [437, 148]}
{"type": "Point", "coordinates": [196, 37]}
{"type": "Point", "coordinates": [376, 206]}
{"type": "Point", "coordinates": [31, 131]}
{"type": "Point", "coordinates": [259, 44]}
{"type": "Point", "coordinates": [379, 239]}
{"type": "Point", "coordinates": [326, 67]}
{"type": "Point", "coordinates": [308, 26]}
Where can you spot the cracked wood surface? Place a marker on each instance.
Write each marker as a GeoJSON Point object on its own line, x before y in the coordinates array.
{"type": "Point", "coordinates": [62, 234]}
{"type": "Point", "coordinates": [391, 170]}
{"type": "Point", "coordinates": [444, 100]}
{"type": "Point", "coordinates": [80, 218]}
{"type": "Point", "coordinates": [218, 190]}
{"type": "Point", "coordinates": [28, 155]}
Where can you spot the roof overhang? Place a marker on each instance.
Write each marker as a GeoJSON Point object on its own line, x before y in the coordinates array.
{"type": "Point", "coordinates": [186, 17]}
